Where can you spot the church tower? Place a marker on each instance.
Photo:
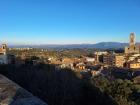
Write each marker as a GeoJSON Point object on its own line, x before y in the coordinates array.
{"type": "Point", "coordinates": [132, 40]}
{"type": "Point", "coordinates": [132, 45]}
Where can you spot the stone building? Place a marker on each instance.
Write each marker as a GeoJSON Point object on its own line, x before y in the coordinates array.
{"type": "Point", "coordinates": [6, 58]}
{"type": "Point", "coordinates": [3, 54]}
{"type": "Point", "coordinates": [132, 46]}
{"type": "Point", "coordinates": [133, 65]}
{"type": "Point", "coordinates": [99, 56]}
{"type": "Point", "coordinates": [133, 62]}
{"type": "Point", "coordinates": [117, 60]}
{"type": "Point", "coordinates": [109, 59]}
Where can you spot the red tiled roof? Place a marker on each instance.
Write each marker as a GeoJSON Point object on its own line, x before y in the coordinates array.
{"type": "Point", "coordinates": [1, 50]}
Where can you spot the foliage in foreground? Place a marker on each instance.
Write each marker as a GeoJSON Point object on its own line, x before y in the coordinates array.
{"type": "Point", "coordinates": [65, 87]}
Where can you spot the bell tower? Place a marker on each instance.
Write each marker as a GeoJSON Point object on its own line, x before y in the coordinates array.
{"type": "Point", "coordinates": [132, 40]}
{"type": "Point", "coordinates": [132, 45]}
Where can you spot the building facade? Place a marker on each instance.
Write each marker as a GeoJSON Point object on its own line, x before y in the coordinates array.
{"type": "Point", "coordinates": [99, 56]}
{"type": "Point", "coordinates": [135, 65]}
{"type": "Point", "coordinates": [3, 54]}
{"type": "Point", "coordinates": [134, 62]}
{"type": "Point", "coordinates": [117, 60]}
{"type": "Point", "coordinates": [109, 59]}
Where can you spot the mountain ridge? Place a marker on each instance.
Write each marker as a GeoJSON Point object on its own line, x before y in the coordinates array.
{"type": "Point", "coordinates": [100, 45]}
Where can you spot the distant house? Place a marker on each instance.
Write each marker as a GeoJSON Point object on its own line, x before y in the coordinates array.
{"type": "Point", "coordinates": [90, 59]}
{"type": "Point", "coordinates": [80, 66]}
{"type": "Point", "coordinates": [133, 63]}
{"type": "Point", "coordinates": [99, 56]}
{"type": "Point", "coordinates": [67, 61]}
{"type": "Point", "coordinates": [117, 60]}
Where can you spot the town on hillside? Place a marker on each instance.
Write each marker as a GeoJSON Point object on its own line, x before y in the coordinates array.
{"type": "Point", "coordinates": [86, 61]}
{"type": "Point", "coordinates": [57, 74]}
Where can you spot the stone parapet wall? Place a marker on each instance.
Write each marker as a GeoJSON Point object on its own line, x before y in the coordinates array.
{"type": "Point", "coordinates": [12, 94]}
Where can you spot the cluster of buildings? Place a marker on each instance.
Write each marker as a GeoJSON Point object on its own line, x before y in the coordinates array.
{"type": "Point", "coordinates": [99, 64]}
{"type": "Point", "coordinates": [71, 63]}
{"type": "Point", "coordinates": [129, 59]}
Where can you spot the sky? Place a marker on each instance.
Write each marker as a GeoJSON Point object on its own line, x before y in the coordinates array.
{"type": "Point", "coordinates": [68, 21]}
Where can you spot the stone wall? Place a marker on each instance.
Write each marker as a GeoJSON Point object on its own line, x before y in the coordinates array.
{"type": "Point", "coordinates": [12, 94]}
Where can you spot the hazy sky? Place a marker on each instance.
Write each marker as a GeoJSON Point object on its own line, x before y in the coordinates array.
{"type": "Point", "coordinates": [68, 21]}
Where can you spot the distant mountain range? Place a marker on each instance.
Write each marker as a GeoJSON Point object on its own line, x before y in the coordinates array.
{"type": "Point", "coordinates": [101, 45]}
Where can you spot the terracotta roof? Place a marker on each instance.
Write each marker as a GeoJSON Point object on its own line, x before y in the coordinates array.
{"type": "Point", "coordinates": [68, 60]}
{"type": "Point", "coordinates": [56, 62]}
{"type": "Point", "coordinates": [1, 50]}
